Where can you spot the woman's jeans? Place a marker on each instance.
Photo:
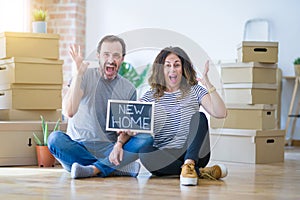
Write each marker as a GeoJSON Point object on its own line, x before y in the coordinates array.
{"type": "Point", "coordinates": [68, 151]}
{"type": "Point", "coordinates": [162, 162]}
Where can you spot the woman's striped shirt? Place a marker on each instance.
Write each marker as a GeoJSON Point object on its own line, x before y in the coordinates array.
{"type": "Point", "coordinates": [172, 115]}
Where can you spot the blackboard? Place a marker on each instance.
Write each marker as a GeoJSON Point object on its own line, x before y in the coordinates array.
{"type": "Point", "coordinates": [135, 116]}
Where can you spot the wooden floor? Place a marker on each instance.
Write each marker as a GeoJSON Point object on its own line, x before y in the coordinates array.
{"type": "Point", "coordinates": [244, 181]}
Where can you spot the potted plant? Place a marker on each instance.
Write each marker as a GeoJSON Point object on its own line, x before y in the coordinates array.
{"type": "Point", "coordinates": [44, 157]}
{"type": "Point", "coordinates": [39, 24]}
{"type": "Point", "coordinates": [297, 66]}
{"type": "Point", "coordinates": [130, 73]}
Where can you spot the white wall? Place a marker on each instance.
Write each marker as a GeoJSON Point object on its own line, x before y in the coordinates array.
{"type": "Point", "coordinates": [216, 25]}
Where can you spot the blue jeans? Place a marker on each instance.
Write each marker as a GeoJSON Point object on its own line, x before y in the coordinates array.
{"type": "Point", "coordinates": [68, 151]}
{"type": "Point", "coordinates": [163, 162]}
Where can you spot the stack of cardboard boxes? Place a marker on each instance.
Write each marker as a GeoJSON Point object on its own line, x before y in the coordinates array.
{"type": "Point", "coordinates": [250, 132]}
{"type": "Point", "coordinates": [30, 85]}
{"type": "Point", "coordinates": [30, 76]}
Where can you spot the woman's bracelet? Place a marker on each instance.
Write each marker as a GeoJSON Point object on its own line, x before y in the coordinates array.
{"type": "Point", "coordinates": [211, 90]}
{"type": "Point", "coordinates": [120, 141]}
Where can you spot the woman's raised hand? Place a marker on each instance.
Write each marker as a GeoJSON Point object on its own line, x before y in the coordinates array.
{"type": "Point", "coordinates": [204, 80]}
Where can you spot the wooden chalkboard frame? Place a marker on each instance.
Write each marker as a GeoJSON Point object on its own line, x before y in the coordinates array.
{"type": "Point", "coordinates": [111, 103]}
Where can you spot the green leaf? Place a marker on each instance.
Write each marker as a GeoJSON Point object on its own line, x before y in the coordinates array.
{"type": "Point", "coordinates": [128, 71]}
{"type": "Point", "coordinates": [46, 134]}
{"type": "Point", "coordinates": [297, 61]}
{"type": "Point", "coordinates": [56, 125]}
{"type": "Point", "coordinates": [43, 124]}
{"type": "Point", "coordinates": [37, 140]}
{"type": "Point", "coordinates": [40, 15]}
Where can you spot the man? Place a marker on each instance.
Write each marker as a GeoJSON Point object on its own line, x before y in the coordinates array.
{"type": "Point", "coordinates": [88, 149]}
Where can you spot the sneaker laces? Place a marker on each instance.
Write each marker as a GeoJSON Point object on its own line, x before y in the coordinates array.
{"type": "Point", "coordinates": [212, 173]}
{"type": "Point", "coordinates": [205, 175]}
{"type": "Point", "coordinates": [189, 169]}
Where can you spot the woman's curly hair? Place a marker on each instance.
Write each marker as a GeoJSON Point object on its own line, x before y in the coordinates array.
{"type": "Point", "coordinates": [157, 79]}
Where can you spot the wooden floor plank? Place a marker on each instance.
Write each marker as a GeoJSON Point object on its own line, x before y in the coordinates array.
{"type": "Point", "coordinates": [244, 181]}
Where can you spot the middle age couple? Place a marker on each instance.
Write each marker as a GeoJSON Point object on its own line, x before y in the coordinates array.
{"type": "Point", "coordinates": [180, 145]}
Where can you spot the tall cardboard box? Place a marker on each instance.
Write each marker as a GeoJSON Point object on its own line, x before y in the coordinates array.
{"type": "Point", "coordinates": [18, 147]}
{"type": "Point", "coordinates": [31, 71]}
{"type": "Point", "coordinates": [247, 146]}
{"type": "Point", "coordinates": [36, 45]}
{"type": "Point", "coordinates": [250, 72]}
{"type": "Point", "coordinates": [30, 97]}
{"type": "Point", "coordinates": [246, 116]}
{"type": "Point", "coordinates": [250, 93]}
{"type": "Point", "coordinates": [252, 51]}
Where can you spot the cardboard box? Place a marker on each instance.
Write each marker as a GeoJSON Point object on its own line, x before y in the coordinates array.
{"type": "Point", "coordinates": [250, 93]}
{"type": "Point", "coordinates": [251, 72]}
{"type": "Point", "coordinates": [247, 146]}
{"type": "Point", "coordinates": [31, 97]}
{"type": "Point", "coordinates": [251, 51]}
{"type": "Point", "coordinates": [29, 115]}
{"type": "Point", "coordinates": [36, 45]}
{"type": "Point", "coordinates": [245, 116]}
{"type": "Point", "coordinates": [18, 147]}
{"type": "Point", "coordinates": [31, 71]}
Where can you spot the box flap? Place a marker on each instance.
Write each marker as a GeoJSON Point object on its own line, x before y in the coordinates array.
{"type": "Point", "coordinates": [30, 60]}
{"type": "Point", "coordinates": [250, 85]}
{"type": "Point", "coordinates": [251, 106]}
{"type": "Point", "coordinates": [247, 132]}
{"type": "Point", "coordinates": [29, 35]}
{"type": "Point", "coordinates": [257, 44]}
{"type": "Point", "coordinates": [36, 86]}
{"type": "Point", "coordinates": [248, 64]}
{"type": "Point", "coordinates": [31, 86]}
{"type": "Point", "coordinates": [27, 126]}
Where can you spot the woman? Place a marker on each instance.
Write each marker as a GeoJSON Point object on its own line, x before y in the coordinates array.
{"type": "Point", "coordinates": [181, 139]}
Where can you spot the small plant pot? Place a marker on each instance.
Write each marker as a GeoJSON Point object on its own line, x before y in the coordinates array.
{"type": "Point", "coordinates": [39, 27]}
{"type": "Point", "coordinates": [44, 157]}
{"type": "Point", "coordinates": [297, 70]}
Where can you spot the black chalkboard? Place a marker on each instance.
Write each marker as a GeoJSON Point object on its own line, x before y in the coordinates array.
{"type": "Point", "coordinates": [135, 116]}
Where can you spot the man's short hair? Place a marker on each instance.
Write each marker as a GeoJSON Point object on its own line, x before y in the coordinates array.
{"type": "Point", "coordinates": [112, 38]}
